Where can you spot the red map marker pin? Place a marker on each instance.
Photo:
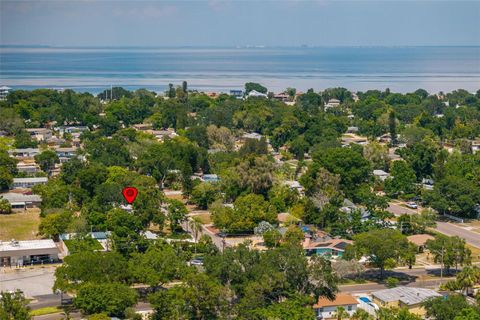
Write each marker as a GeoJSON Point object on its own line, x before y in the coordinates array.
{"type": "Point", "coordinates": [130, 193]}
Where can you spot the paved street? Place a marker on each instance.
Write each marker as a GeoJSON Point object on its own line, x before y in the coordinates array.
{"type": "Point", "coordinates": [450, 229]}
{"type": "Point", "coordinates": [36, 282]}
{"type": "Point", "coordinates": [369, 287]}
{"type": "Point", "coordinates": [398, 210]}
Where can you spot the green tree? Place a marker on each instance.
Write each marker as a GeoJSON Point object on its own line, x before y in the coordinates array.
{"type": "Point", "coordinates": [199, 297]}
{"type": "Point", "coordinates": [449, 251]}
{"type": "Point", "coordinates": [46, 160]}
{"type": "Point", "coordinates": [402, 181]}
{"type": "Point", "coordinates": [54, 224]}
{"type": "Point", "coordinates": [396, 314]}
{"type": "Point", "coordinates": [5, 206]}
{"type": "Point", "coordinates": [195, 224]}
{"type": "Point", "coordinates": [90, 266]}
{"type": "Point", "coordinates": [13, 306]}
{"type": "Point", "coordinates": [348, 163]}
{"type": "Point", "coordinates": [204, 194]}
{"type": "Point", "coordinates": [272, 238]}
{"type": "Point", "coordinates": [248, 211]}
{"type": "Point", "coordinates": [177, 213]}
{"type": "Point", "coordinates": [24, 140]}
{"type": "Point", "coordinates": [249, 86]}
{"type": "Point", "coordinates": [157, 266]}
{"type": "Point", "coordinates": [111, 298]}
{"type": "Point", "coordinates": [445, 308]}
{"type": "Point", "coordinates": [383, 247]}
{"type": "Point", "coordinates": [6, 179]}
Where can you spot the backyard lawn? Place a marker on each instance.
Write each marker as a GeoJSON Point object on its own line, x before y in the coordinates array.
{"type": "Point", "coordinates": [20, 225]}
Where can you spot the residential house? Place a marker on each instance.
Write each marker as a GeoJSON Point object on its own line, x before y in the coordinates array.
{"type": "Point", "coordinates": [347, 140]}
{"type": "Point", "coordinates": [255, 93]}
{"type": "Point", "coordinates": [65, 154]}
{"type": "Point", "coordinates": [283, 96]}
{"type": "Point", "coordinates": [332, 248]}
{"type": "Point", "coordinates": [28, 182]}
{"type": "Point", "coordinates": [28, 167]}
{"type": "Point", "coordinates": [236, 93]}
{"type": "Point", "coordinates": [252, 135]}
{"type": "Point", "coordinates": [210, 178]}
{"type": "Point", "coordinates": [352, 130]}
{"type": "Point", "coordinates": [40, 134]}
{"type": "Point", "coordinates": [142, 126]}
{"type": "Point", "coordinates": [327, 309]}
{"type": "Point", "coordinates": [4, 90]}
{"type": "Point", "coordinates": [404, 297]}
{"type": "Point", "coordinates": [475, 146]}
{"type": "Point", "coordinates": [332, 103]}
{"type": "Point", "coordinates": [72, 129]}
{"type": "Point", "coordinates": [24, 153]}
{"type": "Point", "coordinates": [20, 253]}
{"type": "Point", "coordinates": [162, 134]}
{"type": "Point", "coordinates": [380, 174]}
{"type": "Point", "coordinates": [420, 240]}
{"type": "Point", "coordinates": [20, 201]}
{"type": "Point", "coordinates": [287, 218]}
{"type": "Point", "coordinates": [294, 185]}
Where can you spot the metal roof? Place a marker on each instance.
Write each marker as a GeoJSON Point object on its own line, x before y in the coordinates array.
{"type": "Point", "coordinates": [406, 295]}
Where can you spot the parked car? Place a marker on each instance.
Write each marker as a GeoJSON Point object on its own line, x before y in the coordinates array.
{"type": "Point", "coordinates": [197, 262]}
{"type": "Point", "coordinates": [412, 205]}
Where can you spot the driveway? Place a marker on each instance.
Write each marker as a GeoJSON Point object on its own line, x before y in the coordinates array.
{"type": "Point", "coordinates": [33, 282]}
{"type": "Point", "coordinates": [450, 229]}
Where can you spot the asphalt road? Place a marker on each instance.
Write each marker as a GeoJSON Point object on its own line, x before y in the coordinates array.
{"type": "Point", "coordinates": [450, 229]}
{"type": "Point", "coordinates": [398, 210]}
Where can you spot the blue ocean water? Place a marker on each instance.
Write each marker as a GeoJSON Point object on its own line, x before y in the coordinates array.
{"type": "Point", "coordinates": [401, 69]}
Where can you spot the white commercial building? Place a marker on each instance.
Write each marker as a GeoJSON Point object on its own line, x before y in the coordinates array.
{"type": "Point", "coordinates": [19, 253]}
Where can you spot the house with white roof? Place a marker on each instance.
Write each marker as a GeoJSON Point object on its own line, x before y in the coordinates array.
{"type": "Point", "coordinates": [380, 174]}
{"type": "Point", "coordinates": [255, 93]}
{"type": "Point", "coordinates": [28, 182]}
{"type": "Point", "coordinates": [4, 90]}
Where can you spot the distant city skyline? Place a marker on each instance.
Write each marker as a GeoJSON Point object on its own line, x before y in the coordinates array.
{"type": "Point", "coordinates": [240, 23]}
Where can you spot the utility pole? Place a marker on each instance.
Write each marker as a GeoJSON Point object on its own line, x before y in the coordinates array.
{"type": "Point", "coordinates": [441, 266]}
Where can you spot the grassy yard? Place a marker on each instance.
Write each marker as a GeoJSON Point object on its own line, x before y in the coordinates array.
{"type": "Point", "coordinates": [44, 311]}
{"type": "Point", "coordinates": [475, 253]}
{"type": "Point", "coordinates": [204, 218]}
{"type": "Point", "coordinates": [20, 225]}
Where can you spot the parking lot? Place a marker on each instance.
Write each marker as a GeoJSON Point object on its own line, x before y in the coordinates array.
{"type": "Point", "coordinates": [32, 281]}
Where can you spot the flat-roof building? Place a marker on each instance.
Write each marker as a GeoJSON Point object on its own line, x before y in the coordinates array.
{"type": "Point", "coordinates": [19, 253]}
{"type": "Point", "coordinates": [404, 297]}
{"type": "Point", "coordinates": [28, 182]}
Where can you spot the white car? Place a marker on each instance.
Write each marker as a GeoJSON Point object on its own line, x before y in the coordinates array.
{"type": "Point", "coordinates": [412, 205]}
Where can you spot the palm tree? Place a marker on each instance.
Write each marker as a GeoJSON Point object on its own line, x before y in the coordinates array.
{"type": "Point", "coordinates": [195, 225]}
{"type": "Point", "coordinates": [341, 313]}
{"type": "Point", "coordinates": [468, 277]}
{"type": "Point", "coordinates": [361, 314]}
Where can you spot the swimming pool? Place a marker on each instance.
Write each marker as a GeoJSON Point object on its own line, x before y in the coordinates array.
{"type": "Point", "coordinates": [365, 299]}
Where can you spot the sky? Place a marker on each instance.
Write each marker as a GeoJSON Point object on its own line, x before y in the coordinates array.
{"type": "Point", "coordinates": [240, 23]}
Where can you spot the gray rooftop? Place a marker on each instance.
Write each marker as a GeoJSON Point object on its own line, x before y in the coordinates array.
{"type": "Point", "coordinates": [406, 295]}
{"type": "Point", "coordinates": [30, 180]}
{"type": "Point", "coordinates": [18, 197]}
